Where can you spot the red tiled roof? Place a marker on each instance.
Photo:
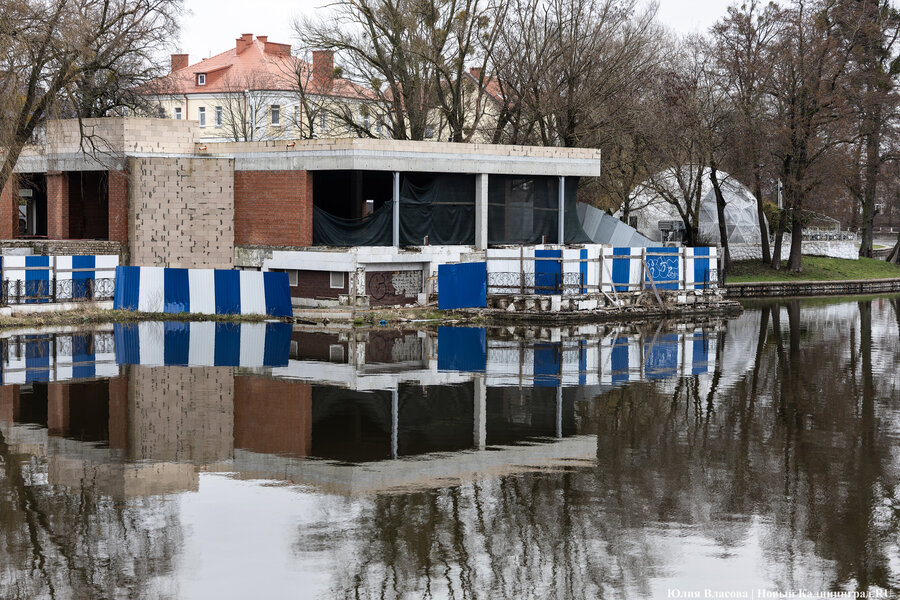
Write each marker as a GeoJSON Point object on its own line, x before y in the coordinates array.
{"type": "Point", "coordinates": [260, 65]}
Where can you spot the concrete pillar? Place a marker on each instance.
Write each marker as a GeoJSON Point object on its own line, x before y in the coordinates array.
{"type": "Point", "coordinates": [559, 406]}
{"type": "Point", "coordinates": [118, 206]}
{"type": "Point", "coordinates": [57, 205]}
{"type": "Point", "coordinates": [481, 211]}
{"type": "Point", "coordinates": [562, 210]}
{"type": "Point", "coordinates": [479, 432]}
{"type": "Point", "coordinates": [9, 210]}
{"type": "Point", "coordinates": [396, 207]}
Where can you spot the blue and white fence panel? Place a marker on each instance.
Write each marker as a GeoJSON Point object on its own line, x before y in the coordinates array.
{"type": "Point", "coordinates": [203, 344]}
{"type": "Point", "coordinates": [58, 357]}
{"type": "Point", "coordinates": [202, 291]}
{"type": "Point", "coordinates": [37, 279]}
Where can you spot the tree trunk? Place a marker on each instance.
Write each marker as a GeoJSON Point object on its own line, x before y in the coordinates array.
{"type": "Point", "coordinates": [720, 213]}
{"type": "Point", "coordinates": [779, 238]}
{"type": "Point", "coordinates": [794, 261]}
{"type": "Point", "coordinates": [873, 161]}
{"type": "Point", "coordinates": [761, 215]}
{"type": "Point", "coordinates": [894, 256]}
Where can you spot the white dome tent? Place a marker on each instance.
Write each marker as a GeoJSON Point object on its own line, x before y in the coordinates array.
{"type": "Point", "coordinates": [741, 222]}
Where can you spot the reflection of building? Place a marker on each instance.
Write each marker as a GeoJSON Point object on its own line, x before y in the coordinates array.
{"type": "Point", "coordinates": [264, 400]}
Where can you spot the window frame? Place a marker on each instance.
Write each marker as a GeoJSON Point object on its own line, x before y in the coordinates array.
{"type": "Point", "coordinates": [218, 116]}
{"type": "Point", "coordinates": [177, 113]}
{"type": "Point", "coordinates": [275, 110]}
{"type": "Point", "coordinates": [201, 115]}
{"type": "Point", "coordinates": [201, 78]}
{"type": "Point", "coordinates": [331, 275]}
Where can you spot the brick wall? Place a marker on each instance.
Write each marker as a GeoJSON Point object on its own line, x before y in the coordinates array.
{"type": "Point", "coordinates": [57, 205]}
{"type": "Point", "coordinates": [273, 208]}
{"type": "Point", "coordinates": [180, 414]}
{"type": "Point", "coordinates": [181, 212]}
{"type": "Point", "coordinates": [118, 206]}
{"type": "Point", "coordinates": [9, 212]}
{"type": "Point", "coordinates": [272, 416]}
{"type": "Point", "coordinates": [317, 284]}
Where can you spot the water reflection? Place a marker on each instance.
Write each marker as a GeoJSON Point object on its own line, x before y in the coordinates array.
{"type": "Point", "coordinates": [504, 463]}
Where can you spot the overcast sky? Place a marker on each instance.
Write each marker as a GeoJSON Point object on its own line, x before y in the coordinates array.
{"type": "Point", "coordinates": [211, 26]}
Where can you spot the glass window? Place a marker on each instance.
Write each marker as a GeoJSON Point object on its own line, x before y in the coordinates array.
{"type": "Point", "coordinates": [218, 116]}
{"type": "Point", "coordinates": [201, 79]}
{"type": "Point", "coordinates": [275, 113]}
{"type": "Point", "coordinates": [178, 112]}
{"type": "Point", "coordinates": [337, 280]}
{"type": "Point", "coordinates": [201, 116]}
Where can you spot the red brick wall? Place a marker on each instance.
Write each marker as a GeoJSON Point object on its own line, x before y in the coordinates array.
{"type": "Point", "coordinates": [57, 205]}
{"type": "Point", "coordinates": [118, 206]}
{"type": "Point", "coordinates": [272, 416]}
{"type": "Point", "coordinates": [317, 284]}
{"type": "Point", "coordinates": [273, 208]}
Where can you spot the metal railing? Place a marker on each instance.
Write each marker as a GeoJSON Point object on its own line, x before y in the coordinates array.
{"type": "Point", "coordinates": [19, 291]}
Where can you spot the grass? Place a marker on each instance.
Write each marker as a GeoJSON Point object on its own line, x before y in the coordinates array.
{"type": "Point", "coordinates": [815, 268]}
{"type": "Point", "coordinates": [83, 316]}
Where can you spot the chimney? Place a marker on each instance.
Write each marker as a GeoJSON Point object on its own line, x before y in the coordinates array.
{"type": "Point", "coordinates": [179, 61]}
{"type": "Point", "coordinates": [475, 72]}
{"type": "Point", "coordinates": [243, 42]}
{"type": "Point", "coordinates": [262, 38]}
{"type": "Point", "coordinates": [274, 48]}
{"type": "Point", "coordinates": [323, 69]}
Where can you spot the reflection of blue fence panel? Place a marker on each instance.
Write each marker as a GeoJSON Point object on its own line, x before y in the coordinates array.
{"type": "Point", "coordinates": [128, 344]}
{"type": "Point", "coordinates": [462, 285]}
{"type": "Point", "coordinates": [619, 360]}
{"type": "Point", "coordinates": [37, 358]}
{"type": "Point", "coordinates": [547, 365]}
{"type": "Point", "coordinates": [228, 345]}
{"type": "Point", "coordinates": [700, 360]}
{"type": "Point", "coordinates": [661, 357]}
{"type": "Point", "coordinates": [462, 349]}
{"type": "Point", "coordinates": [278, 344]}
{"type": "Point", "coordinates": [663, 269]}
{"type": "Point", "coordinates": [83, 359]}
{"type": "Point", "coordinates": [547, 273]}
{"type": "Point", "coordinates": [177, 342]}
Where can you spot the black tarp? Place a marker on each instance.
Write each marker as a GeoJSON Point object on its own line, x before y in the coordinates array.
{"type": "Point", "coordinates": [373, 230]}
{"type": "Point", "coordinates": [438, 205]}
{"type": "Point", "coordinates": [441, 206]}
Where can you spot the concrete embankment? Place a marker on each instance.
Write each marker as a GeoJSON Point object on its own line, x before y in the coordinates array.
{"type": "Point", "coordinates": [776, 289]}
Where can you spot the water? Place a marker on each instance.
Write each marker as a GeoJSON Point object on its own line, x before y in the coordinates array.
{"type": "Point", "coordinates": [660, 460]}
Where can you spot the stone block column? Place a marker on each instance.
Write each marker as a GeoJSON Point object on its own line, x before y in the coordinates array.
{"type": "Point", "coordinates": [481, 211]}
{"type": "Point", "coordinates": [118, 206]}
{"type": "Point", "coordinates": [57, 205]}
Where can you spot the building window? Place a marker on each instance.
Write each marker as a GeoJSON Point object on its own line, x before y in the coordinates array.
{"type": "Point", "coordinates": [336, 353]}
{"type": "Point", "coordinates": [337, 280]}
{"type": "Point", "coordinates": [201, 116]}
{"type": "Point", "coordinates": [429, 132]}
{"type": "Point", "coordinates": [323, 121]}
{"type": "Point", "coordinates": [293, 279]}
{"type": "Point", "coordinates": [161, 112]}
{"type": "Point", "coordinates": [178, 112]}
{"type": "Point", "coordinates": [275, 113]}
{"type": "Point", "coordinates": [218, 116]}
{"type": "Point", "coordinates": [201, 79]}
{"type": "Point", "coordinates": [296, 116]}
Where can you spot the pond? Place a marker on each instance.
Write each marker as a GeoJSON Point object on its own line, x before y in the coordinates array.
{"type": "Point", "coordinates": [756, 457]}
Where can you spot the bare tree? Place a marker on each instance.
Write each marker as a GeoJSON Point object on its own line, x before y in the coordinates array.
{"type": "Point", "coordinates": [412, 55]}
{"type": "Point", "coordinates": [741, 40]}
{"type": "Point", "coordinates": [245, 102]}
{"type": "Point", "coordinates": [809, 58]}
{"type": "Point", "coordinates": [873, 30]}
{"type": "Point", "coordinates": [74, 58]}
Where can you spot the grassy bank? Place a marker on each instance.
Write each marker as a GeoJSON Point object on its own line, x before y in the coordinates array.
{"type": "Point", "coordinates": [85, 316]}
{"type": "Point", "coordinates": [815, 268]}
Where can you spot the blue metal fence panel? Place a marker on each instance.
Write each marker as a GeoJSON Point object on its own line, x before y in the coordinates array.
{"type": "Point", "coordinates": [128, 286]}
{"type": "Point", "coordinates": [621, 269]}
{"type": "Point", "coordinates": [462, 285]}
{"type": "Point", "coordinates": [547, 273]}
{"type": "Point", "coordinates": [701, 268]}
{"type": "Point", "coordinates": [80, 288]}
{"type": "Point", "coordinates": [176, 291]}
{"type": "Point", "coordinates": [278, 294]}
{"type": "Point", "coordinates": [228, 292]}
{"type": "Point", "coordinates": [664, 270]}
{"type": "Point", "coordinates": [462, 349]}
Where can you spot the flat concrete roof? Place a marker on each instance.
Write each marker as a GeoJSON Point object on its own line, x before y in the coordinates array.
{"type": "Point", "coordinates": [115, 140]}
